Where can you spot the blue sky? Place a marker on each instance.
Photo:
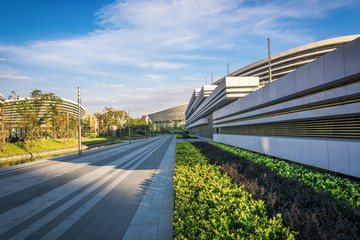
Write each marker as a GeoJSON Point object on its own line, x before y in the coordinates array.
{"type": "Point", "coordinates": [147, 55]}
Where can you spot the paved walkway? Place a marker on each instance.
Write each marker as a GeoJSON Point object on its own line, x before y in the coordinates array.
{"type": "Point", "coordinates": [122, 191]}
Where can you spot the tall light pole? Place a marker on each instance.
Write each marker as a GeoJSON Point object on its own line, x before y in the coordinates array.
{"type": "Point", "coordinates": [145, 128]}
{"type": "Point", "coordinates": [68, 132]}
{"type": "Point", "coordinates": [129, 128]}
{"type": "Point", "coordinates": [79, 120]}
{"type": "Point", "coordinates": [228, 69]}
{"type": "Point", "coordinates": [269, 60]}
{"type": "Point", "coordinates": [95, 126]}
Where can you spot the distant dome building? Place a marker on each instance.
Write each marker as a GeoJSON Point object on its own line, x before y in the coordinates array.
{"type": "Point", "coordinates": [171, 118]}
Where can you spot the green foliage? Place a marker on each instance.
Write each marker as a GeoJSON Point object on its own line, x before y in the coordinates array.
{"type": "Point", "coordinates": [185, 136]}
{"type": "Point", "coordinates": [41, 145]}
{"type": "Point", "coordinates": [342, 188]}
{"type": "Point", "coordinates": [209, 206]}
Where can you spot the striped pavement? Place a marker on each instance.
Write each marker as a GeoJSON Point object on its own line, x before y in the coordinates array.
{"type": "Point", "coordinates": [123, 191]}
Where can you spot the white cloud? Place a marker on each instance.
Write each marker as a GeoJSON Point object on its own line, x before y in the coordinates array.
{"type": "Point", "coordinates": [141, 100]}
{"type": "Point", "coordinates": [10, 77]}
{"type": "Point", "coordinates": [145, 33]}
{"type": "Point", "coordinates": [154, 77]}
{"type": "Point", "coordinates": [162, 42]}
{"type": "Point", "coordinates": [113, 86]}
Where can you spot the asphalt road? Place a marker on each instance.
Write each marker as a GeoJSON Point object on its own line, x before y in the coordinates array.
{"type": "Point", "coordinates": [123, 191]}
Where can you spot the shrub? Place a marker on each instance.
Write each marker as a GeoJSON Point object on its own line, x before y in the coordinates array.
{"type": "Point", "coordinates": [185, 136]}
{"type": "Point", "coordinates": [340, 187]}
{"type": "Point", "coordinates": [315, 214]}
{"type": "Point", "coordinates": [209, 206]}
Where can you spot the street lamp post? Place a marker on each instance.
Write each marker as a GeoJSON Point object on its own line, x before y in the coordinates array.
{"type": "Point", "coordinates": [79, 120]}
{"type": "Point", "coordinates": [269, 60]}
{"type": "Point", "coordinates": [129, 128]}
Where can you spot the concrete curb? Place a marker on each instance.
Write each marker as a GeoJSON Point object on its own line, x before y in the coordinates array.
{"type": "Point", "coordinates": [53, 152]}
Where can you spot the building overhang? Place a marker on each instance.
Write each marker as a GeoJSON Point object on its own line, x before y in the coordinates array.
{"type": "Point", "coordinates": [227, 91]}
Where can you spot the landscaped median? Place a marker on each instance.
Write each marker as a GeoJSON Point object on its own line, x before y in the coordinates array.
{"type": "Point", "coordinates": [185, 136]}
{"type": "Point", "coordinates": [305, 199]}
{"type": "Point", "coordinates": [340, 187]}
{"type": "Point", "coordinates": [209, 206]}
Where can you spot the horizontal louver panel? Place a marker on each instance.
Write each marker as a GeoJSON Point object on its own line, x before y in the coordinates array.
{"type": "Point", "coordinates": [346, 128]}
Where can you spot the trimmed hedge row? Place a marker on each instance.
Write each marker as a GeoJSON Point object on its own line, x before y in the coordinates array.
{"type": "Point", "coordinates": [340, 187]}
{"type": "Point", "coordinates": [185, 136]}
{"type": "Point", "coordinates": [314, 214]}
{"type": "Point", "coordinates": [209, 206]}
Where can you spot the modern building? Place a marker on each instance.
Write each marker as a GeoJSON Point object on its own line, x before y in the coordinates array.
{"type": "Point", "coordinates": [64, 106]}
{"type": "Point", "coordinates": [145, 118]}
{"type": "Point", "coordinates": [289, 60]}
{"type": "Point", "coordinates": [209, 98]}
{"type": "Point", "coordinates": [2, 100]}
{"type": "Point", "coordinates": [310, 115]}
{"type": "Point", "coordinates": [171, 118]}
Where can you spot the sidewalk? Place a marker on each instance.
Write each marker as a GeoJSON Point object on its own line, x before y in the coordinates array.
{"type": "Point", "coordinates": [153, 219]}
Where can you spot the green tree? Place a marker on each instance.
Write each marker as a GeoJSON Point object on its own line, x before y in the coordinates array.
{"type": "Point", "coordinates": [110, 117]}
{"type": "Point", "coordinates": [101, 120]}
{"type": "Point", "coordinates": [55, 113]}
{"type": "Point", "coordinates": [85, 126]}
{"type": "Point", "coordinates": [32, 115]}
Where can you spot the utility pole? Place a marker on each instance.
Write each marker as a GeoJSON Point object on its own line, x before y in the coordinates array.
{"type": "Point", "coordinates": [129, 128]}
{"type": "Point", "coordinates": [68, 133]}
{"type": "Point", "coordinates": [145, 129]}
{"type": "Point", "coordinates": [95, 126]}
{"type": "Point", "coordinates": [269, 60]}
{"type": "Point", "coordinates": [228, 69]}
{"type": "Point", "coordinates": [79, 120]}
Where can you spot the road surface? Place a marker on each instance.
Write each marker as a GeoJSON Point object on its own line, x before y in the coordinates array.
{"type": "Point", "coordinates": [123, 191]}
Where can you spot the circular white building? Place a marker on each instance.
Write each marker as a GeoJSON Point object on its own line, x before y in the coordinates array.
{"type": "Point", "coordinates": [42, 108]}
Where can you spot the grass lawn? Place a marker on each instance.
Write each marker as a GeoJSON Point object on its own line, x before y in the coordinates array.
{"type": "Point", "coordinates": [45, 144]}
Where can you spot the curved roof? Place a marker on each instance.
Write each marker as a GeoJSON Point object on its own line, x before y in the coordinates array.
{"type": "Point", "coordinates": [174, 113]}
{"type": "Point", "coordinates": [1, 100]}
{"type": "Point", "coordinates": [287, 61]}
{"type": "Point", "coordinates": [66, 106]}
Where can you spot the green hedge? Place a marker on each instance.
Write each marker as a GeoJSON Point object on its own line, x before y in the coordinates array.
{"type": "Point", "coordinates": [342, 188]}
{"type": "Point", "coordinates": [185, 136]}
{"type": "Point", "coordinates": [209, 206]}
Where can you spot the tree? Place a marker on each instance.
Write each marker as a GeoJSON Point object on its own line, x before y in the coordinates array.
{"type": "Point", "coordinates": [85, 126]}
{"type": "Point", "coordinates": [101, 119]}
{"type": "Point", "coordinates": [110, 117]}
{"type": "Point", "coordinates": [33, 115]}
{"type": "Point", "coordinates": [55, 113]}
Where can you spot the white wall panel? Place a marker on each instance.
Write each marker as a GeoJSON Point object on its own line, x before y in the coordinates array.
{"type": "Point", "coordinates": [335, 155]}
{"type": "Point", "coordinates": [352, 57]}
{"type": "Point", "coordinates": [334, 65]}
{"type": "Point", "coordinates": [354, 158]}
{"type": "Point", "coordinates": [339, 156]}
